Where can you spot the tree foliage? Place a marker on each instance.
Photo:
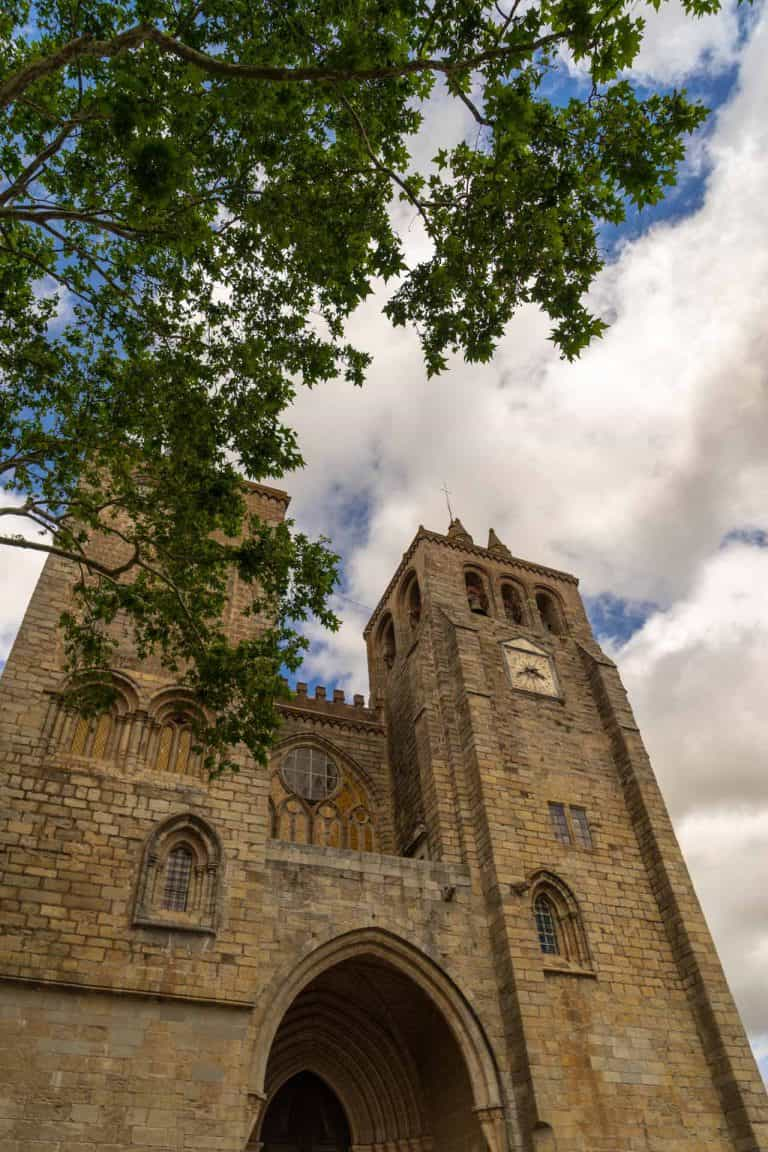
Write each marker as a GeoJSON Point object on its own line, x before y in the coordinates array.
{"type": "Point", "coordinates": [195, 196]}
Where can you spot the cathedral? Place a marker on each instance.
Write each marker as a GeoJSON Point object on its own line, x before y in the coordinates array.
{"type": "Point", "coordinates": [453, 917]}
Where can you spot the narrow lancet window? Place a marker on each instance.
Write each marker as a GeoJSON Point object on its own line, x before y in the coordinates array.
{"type": "Point", "coordinates": [477, 597]}
{"type": "Point", "coordinates": [413, 603]}
{"type": "Point", "coordinates": [549, 613]}
{"type": "Point", "coordinates": [512, 601]}
{"type": "Point", "coordinates": [546, 925]}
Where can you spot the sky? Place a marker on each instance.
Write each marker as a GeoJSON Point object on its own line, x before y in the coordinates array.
{"type": "Point", "coordinates": [641, 468]}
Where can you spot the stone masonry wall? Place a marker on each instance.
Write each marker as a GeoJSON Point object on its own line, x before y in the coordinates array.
{"type": "Point", "coordinates": [607, 1055]}
{"type": "Point", "coordinates": [121, 1035]}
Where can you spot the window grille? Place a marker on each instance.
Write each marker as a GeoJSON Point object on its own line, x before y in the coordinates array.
{"type": "Point", "coordinates": [178, 872]}
{"type": "Point", "coordinates": [546, 925]}
{"type": "Point", "coordinates": [560, 823]}
{"type": "Point", "coordinates": [310, 773]}
{"type": "Point", "coordinates": [581, 831]}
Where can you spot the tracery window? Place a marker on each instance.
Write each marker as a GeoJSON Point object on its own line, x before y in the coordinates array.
{"type": "Point", "coordinates": [99, 737]}
{"type": "Point", "coordinates": [310, 773]}
{"type": "Point", "coordinates": [512, 602]}
{"type": "Point", "coordinates": [558, 923]}
{"type": "Point", "coordinates": [477, 597]}
{"type": "Point", "coordinates": [314, 800]}
{"type": "Point", "coordinates": [174, 749]}
{"type": "Point", "coordinates": [180, 882]}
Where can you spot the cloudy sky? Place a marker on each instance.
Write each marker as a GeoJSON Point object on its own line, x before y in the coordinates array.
{"type": "Point", "coordinates": [642, 469]}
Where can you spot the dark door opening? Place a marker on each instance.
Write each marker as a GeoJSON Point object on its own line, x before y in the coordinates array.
{"type": "Point", "coordinates": [305, 1116]}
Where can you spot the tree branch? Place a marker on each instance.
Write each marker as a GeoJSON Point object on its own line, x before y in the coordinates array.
{"type": "Point", "coordinates": [84, 46]}
{"type": "Point", "coordinates": [43, 215]}
{"type": "Point", "coordinates": [46, 270]}
{"type": "Point", "coordinates": [78, 48]}
{"type": "Point", "coordinates": [472, 107]}
{"type": "Point", "coordinates": [393, 176]}
{"type": "Point", "coordinates": [85, 255]}
{"type": "Point", "coordinates": [20, 183]}
{"type": "Point", "coordinates": [53, 550]}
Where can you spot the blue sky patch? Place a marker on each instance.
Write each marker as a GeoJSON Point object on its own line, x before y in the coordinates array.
{"type": "Point", "coordinates": [755, 537]}
{"type": "Point", "coordinates": [616, 619]}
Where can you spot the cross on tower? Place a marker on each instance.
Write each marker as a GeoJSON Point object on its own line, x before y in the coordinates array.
{"type": "Point", "coordinates": [448, 500]}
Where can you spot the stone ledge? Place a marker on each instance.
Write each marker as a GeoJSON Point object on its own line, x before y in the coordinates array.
{"type": "Point", "coordinates": [367, 863]}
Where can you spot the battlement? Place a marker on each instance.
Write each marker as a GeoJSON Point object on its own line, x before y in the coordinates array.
{"type": "Point", "coordinates": [331, 703]}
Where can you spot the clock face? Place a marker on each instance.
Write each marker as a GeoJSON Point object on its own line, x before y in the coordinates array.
{"type": "Point", "coordinates": [530, 668]}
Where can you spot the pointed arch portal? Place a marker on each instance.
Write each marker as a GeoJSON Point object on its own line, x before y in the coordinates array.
{"type": "Point", "coordinates": [369, 1046]}
{"type": "Point", "coordinates": [305, 1116]}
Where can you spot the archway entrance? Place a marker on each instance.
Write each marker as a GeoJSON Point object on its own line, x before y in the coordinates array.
{"type": "Point", "coordinates": [305, 1115]}
{"type": "Point", "coordinates": [364, 1034]}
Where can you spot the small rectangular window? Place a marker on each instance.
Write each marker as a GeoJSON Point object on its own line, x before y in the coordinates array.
{"type": "Point", "coordinates": [559, 823]}
{"type": "Point", "coordinates": [581, 832]}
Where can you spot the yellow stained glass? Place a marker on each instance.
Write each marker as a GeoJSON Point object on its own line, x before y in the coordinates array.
{"type": "Point", "coordinates": [80, 736]}
{"type": "Point", "coordinates": [100, 739]}
{"type": "Point", "coordinates": [182, 755]}
{"type": "Point", "coordinates": [164, 748]}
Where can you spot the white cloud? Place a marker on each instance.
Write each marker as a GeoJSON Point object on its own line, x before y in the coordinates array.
{"type": "Point", "coordinates": [675, 46]}
{"type": "Point", "coordinates": [19, 570]}
{"type": "Point", "coordinates": [696, 675]}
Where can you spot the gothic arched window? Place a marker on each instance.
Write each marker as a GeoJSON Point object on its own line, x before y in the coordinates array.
{"type": "Point", "coordinates": [174, 749]}
{"type": "Point", "coordinates": [558, 922]}
{"type": "Point", "coordinates": [546, 924]}
{"type": "Point", "coordinates": [316, 799]}
{"type": "Point", "coordinates": [512, 600]}
{"type": "Point", "coordinates": [477, 597]}
{"type": "Point", "coordinates": [549, 612]}
{"type": "Point", "coordinates": [97, 737]}
{"type": "Point", "coordinates": [387, 641]}
{"type": "Point", "coordinates": [412, 600]}
{"type": "Point", "coordinates": [180, 881]}
{"type": "Point", "coordinates": [91, 735]}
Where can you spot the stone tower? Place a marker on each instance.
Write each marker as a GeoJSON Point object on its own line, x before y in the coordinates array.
{"type": "Point", "coordinates": [455, 920]}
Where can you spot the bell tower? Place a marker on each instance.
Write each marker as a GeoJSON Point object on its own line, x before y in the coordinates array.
{"type": "Point", "coordinates": [514, 753]}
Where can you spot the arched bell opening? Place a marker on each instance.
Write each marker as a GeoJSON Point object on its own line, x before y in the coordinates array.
{"type": "Point", "coordinates": [384, 1049]}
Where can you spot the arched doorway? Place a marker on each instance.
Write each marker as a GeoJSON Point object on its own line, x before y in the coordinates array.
{"type": "Point", "coordinates": [406, 1080]}
{"type": "Point", "coordinates": [305, 1115]}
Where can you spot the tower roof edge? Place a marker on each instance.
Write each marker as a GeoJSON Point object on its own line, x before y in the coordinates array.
{"type": "Point", "coordinates": [424, 534]}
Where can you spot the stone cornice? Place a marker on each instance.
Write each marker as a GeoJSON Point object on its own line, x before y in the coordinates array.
{"type": "Point", "coordinates": [329, 715]}
{"type": "Point", "coordinates": [471, 550]}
